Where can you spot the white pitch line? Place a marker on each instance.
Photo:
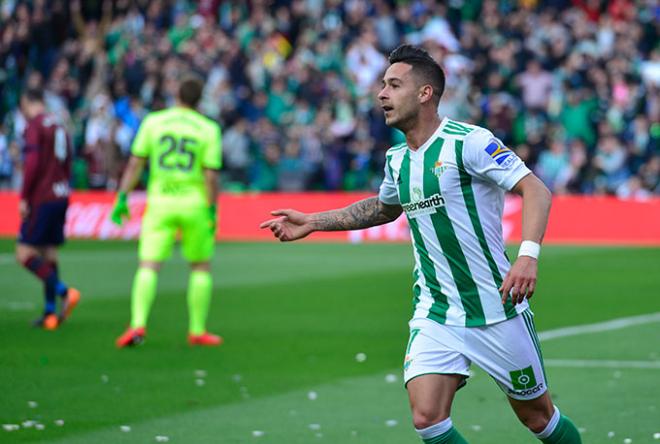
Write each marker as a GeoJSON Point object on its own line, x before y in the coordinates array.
{"type": "Point", "coordinates": [598, 363]}
{"type": "Point", "coordinates": [614, 324]}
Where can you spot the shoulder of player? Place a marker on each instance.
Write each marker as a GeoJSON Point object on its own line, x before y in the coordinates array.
{"type": "Point", "coordinates": [477, 139]}
{"type": "Point", "coordinates": [400, 148]}
{"type": "Point", "coordinates": [194, 117]}
{"type": "Point", "coordinates": [213, 124]}
{"type": "Point", "coordinates": [39, 121]}
{"type": "Point", "coordinates": [475, 144]}
{"type": "Point", "coordinates": [152, 116]}
{"type": "Point", "coordinates": [454, 129]}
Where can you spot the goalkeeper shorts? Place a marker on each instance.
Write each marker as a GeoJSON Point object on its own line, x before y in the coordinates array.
{"type": "Point", "coordinates": [161, 225]}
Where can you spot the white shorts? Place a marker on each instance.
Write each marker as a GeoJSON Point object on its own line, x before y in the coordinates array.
{"type": "Point", "coordinates": [508, 351]}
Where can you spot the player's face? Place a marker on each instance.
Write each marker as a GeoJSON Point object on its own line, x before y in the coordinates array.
{"type": "Point", "coordinates": [399, 96]}
{"type": "Point", "coordinates": [25, 108]}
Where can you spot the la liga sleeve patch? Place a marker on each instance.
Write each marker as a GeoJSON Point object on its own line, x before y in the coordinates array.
{"type": "Point", "coordinates": [500, 154]}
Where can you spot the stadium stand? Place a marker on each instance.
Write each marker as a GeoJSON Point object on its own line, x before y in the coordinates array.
{"type": "Point", "coordinates": [572, 86]}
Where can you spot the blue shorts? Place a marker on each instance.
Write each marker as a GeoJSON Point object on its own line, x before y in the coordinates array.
{"type": "Point", "coordinates": [45, 224]}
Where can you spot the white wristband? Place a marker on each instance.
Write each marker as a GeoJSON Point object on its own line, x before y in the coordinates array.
{"type": "Point", "coordinates": [529, 248]}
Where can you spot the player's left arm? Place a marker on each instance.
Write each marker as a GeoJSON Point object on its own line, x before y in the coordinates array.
{"type": "Point", "coordinates": [488, 158]}
{"type": "Point", "coordinates": [30, 168]}
{"type": "Point", "coordinates": [211, 162]}
{"type": "Point", "coordinates": [520, 281]}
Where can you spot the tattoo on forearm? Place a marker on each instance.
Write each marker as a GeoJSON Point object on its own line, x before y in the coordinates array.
{"type": "Point", "coordinates": [362, 214]}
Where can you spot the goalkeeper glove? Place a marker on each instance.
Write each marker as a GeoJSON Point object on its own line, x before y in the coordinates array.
{"type": "Point", "coordinates": [120, 209]}
{"type": "Point", "coordinates": [213, 215]}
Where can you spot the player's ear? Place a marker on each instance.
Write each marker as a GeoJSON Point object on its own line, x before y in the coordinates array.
{"type": "Point", "coordinates": [425, 93]}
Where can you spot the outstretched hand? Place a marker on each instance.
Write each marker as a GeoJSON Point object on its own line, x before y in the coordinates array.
{"type": "Point", "coordinates": [520, 281]}
{"type": "Point", "coordinates": [289, 226]}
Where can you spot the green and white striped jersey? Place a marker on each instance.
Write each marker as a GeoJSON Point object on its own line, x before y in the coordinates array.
{"type": "Point", "coordinates": [452, 191]}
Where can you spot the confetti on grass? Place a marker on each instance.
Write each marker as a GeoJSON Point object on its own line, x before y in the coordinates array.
{"type": "Point", "coordinates": [33, 404]}
{"type": "Point", "coordinates": [162, 438]}
{"type": "Point", "coordinates": [125, 428]}
{"type": "Point", "coordinates": [361, 357]}
{"type": "Point", "coordinates": [11, 427]}
{"type": "Point", "coordinates": [391, 422]}
{"type": "Point", "coordinates": [59, 422]}
{"type": "Point", "coordinates": [258, 433]}
{"type": "Point", "coordinates": [314, 426]}
{"type": "Point", "coordinates": [390, 378]}
{"type": "Point", "coordinates": [312, 396]}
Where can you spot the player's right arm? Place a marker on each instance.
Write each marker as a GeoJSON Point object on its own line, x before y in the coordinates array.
{"type": "Point", "coordinates": [292, 225]}
{"type": "Point", "coordinates": [136, 164]}
{"type": "Point", "coordinates": [377, 210]}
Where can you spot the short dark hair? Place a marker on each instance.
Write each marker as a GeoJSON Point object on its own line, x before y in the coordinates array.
{"type": "Point", "coordinates": [422, 64]}
{"type": "Point", "coordinates": [190, 90]}
{"type": "Point", "coordinates": [34, 95]}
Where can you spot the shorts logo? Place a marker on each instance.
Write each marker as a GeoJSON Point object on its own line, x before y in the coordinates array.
{"type": "Point", "coordinates": [502, 155]}
{"type": "Point", "coordinates": [523, 379]}
{"type": "Point", "coordinates": [406, 363]}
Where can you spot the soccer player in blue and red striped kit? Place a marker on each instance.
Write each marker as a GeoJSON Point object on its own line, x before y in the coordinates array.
{"type": "Point", "coordinates": [43, 204]}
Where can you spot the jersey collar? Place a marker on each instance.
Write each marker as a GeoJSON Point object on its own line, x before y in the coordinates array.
{"type": "Point", "coordinates": [429, 141]}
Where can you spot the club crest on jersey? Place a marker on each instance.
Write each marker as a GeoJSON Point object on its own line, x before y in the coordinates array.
{"type": "Point", "coordinates": [438, 168]}
{"type": "Point", "coordinates": [417, 194]}
{"type": "Point", "coordinates": [502, 155]}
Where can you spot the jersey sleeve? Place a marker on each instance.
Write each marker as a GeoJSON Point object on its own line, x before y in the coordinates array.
{"type": "Point", "coordinates": [486, 157]}
{"type": "Point", "coordinates": [388, 193]}
{"type": "Point", "coordinates": [213, 154]}
{"type": "Point", "coordinates": [31, 149]}
{"type": "Point", "coordinates": [140, 146]}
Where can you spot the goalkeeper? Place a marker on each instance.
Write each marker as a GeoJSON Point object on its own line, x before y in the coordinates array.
{"type": "Point", "coordinates": [183, 149]}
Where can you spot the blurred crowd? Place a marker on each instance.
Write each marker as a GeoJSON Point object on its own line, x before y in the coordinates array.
{"type": "Point", "coordinates": [573, 86]}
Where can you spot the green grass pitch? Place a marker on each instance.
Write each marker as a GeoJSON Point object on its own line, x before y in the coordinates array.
{"type": "Point", "coordinates": [294, 317]}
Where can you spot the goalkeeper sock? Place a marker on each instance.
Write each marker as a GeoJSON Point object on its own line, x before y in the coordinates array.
{"type": "Point", "coordinates": [142, 296]}
{"type": "Point", "coordinates": [560, 430]}
{"type": "Point", "coordinates": [200, 287]}
{"type": "Point", "coordinates": [441, 433]}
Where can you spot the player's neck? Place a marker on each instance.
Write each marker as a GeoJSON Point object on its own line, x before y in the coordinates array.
{"type": "Point", "coordinates": [179, 104]}
{"type": "Point", "coordinates": [422, 131]}
{"type": "Point", "coordinates": [35, 111]}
